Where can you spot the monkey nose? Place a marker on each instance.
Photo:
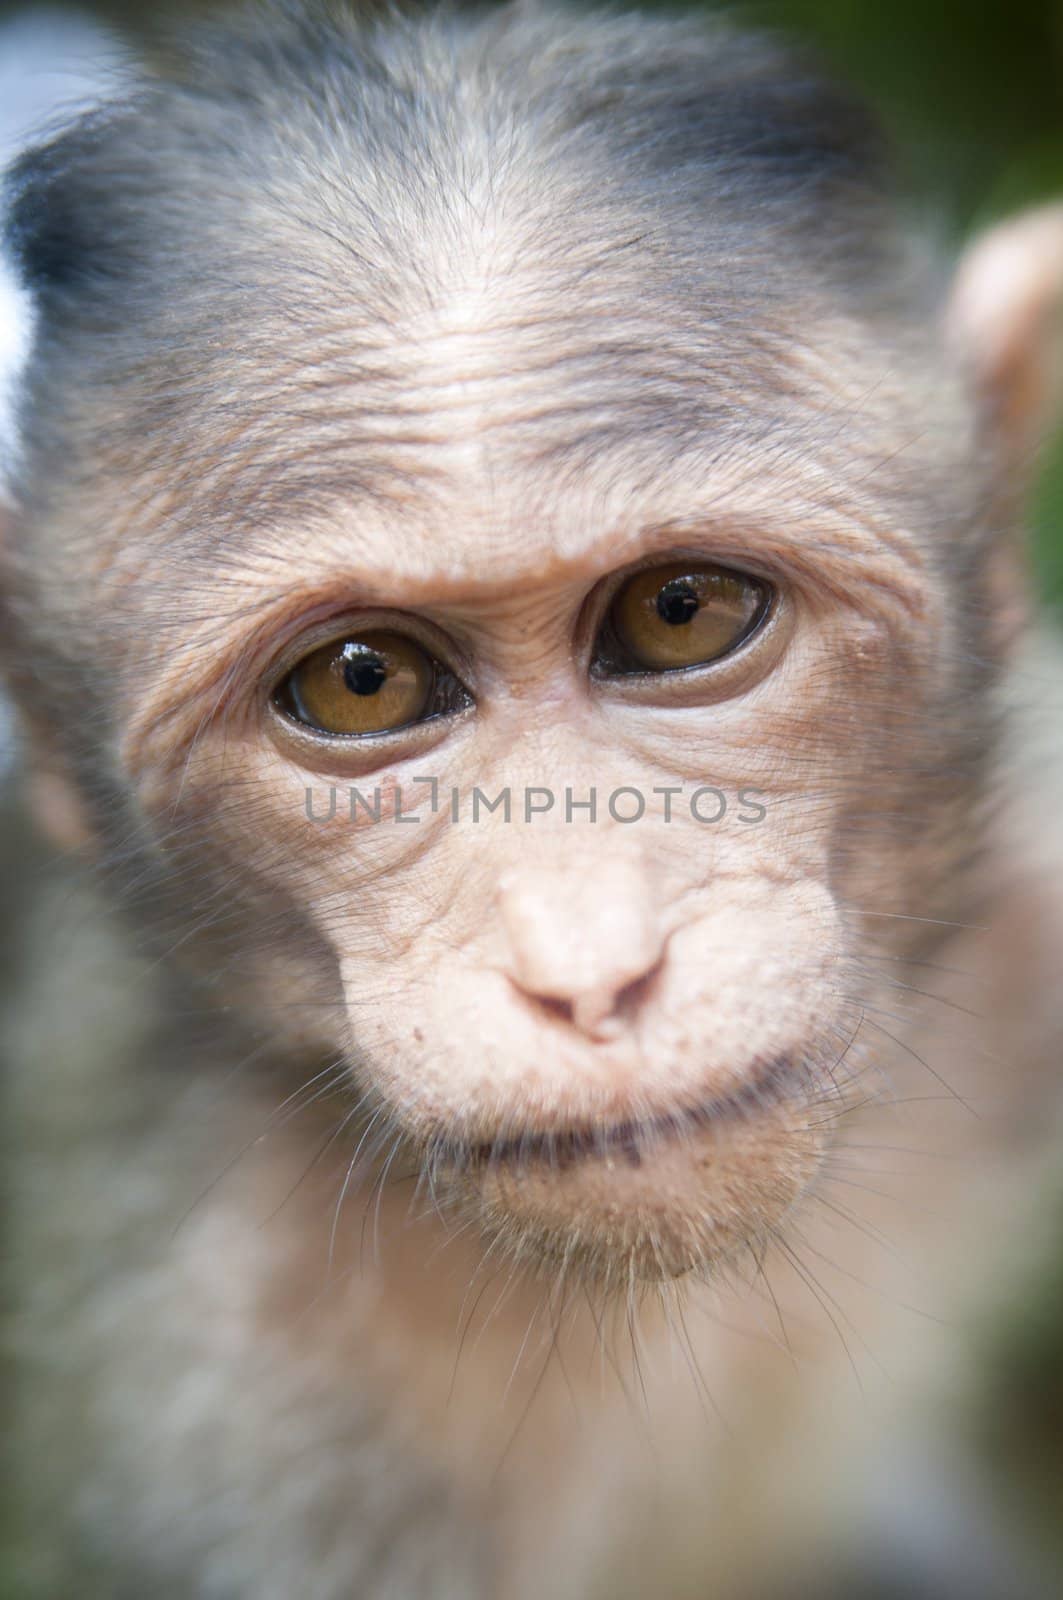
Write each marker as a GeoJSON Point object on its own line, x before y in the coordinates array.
{"type": "Point", "coordinates": [583, 941]}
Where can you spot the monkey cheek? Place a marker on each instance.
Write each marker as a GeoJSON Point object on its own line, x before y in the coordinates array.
{"type": "Point", "coordinates": [670, 1205]}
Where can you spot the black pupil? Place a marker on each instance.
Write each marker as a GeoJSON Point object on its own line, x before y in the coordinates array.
{"type": "Point", "coordinates": [364, 673]}
{"type": "Point", "coordinates": [677, 602]}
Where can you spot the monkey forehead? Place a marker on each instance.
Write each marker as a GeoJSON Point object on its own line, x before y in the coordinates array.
{"type": "Point", "coordinates": [512, 420]}
{"type": "Point", "coordinates": [497, 428]}
{"type": "Point", "coordinates": [502, 373]}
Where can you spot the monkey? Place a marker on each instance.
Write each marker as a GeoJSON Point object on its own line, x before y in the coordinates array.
{"type": "Point", "coordinates": [579, 1193]}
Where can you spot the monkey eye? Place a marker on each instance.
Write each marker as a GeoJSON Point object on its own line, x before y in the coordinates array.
{"type": "Point", "coordinates": [377, 682]}
{"type": "Point", "coordinates": [682, 614]}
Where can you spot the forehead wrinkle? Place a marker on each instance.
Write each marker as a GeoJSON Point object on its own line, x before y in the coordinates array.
{"type": "Point", "coordinates": [491, 352]}
{"type": "Point", "coordinates": [406, 444]}
{"type": "Point", "coordinates": [588, 411]}
{"type": "Point", "coordinates": [444, 425]}
{"type": "Point", "coordinates": [549, 541]}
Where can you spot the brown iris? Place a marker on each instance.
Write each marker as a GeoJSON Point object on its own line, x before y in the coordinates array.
{"type": "Point", "coordinates": [683, 614]}
{"type": "Point", "coordinates": [374, 683]}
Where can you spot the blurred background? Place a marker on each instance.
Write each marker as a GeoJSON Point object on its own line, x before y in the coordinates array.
{"type": "Point", "coordinates": [972, 91]}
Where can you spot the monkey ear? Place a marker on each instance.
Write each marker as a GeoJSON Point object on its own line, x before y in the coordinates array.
{"type": "Point", "coordinates": [1006, 323]}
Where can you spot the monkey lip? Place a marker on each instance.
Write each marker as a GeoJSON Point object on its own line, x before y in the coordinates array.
{"type": "Point", "coordinates": [632, 1139]}
{"type": "Point", "coordinates": [649, 1198]}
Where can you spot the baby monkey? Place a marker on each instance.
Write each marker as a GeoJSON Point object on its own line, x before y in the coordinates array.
{"type": "Point", "coordinates": [455, 454]}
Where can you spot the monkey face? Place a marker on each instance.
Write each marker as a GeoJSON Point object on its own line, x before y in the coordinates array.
{"type": "Point", "coordinates": [560, 833]}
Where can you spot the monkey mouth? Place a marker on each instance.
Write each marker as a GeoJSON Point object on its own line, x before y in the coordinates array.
{"type": "Point", "coordinates": [632, 1139]}
{"type": "Point", "coordinates": [646, 1198]}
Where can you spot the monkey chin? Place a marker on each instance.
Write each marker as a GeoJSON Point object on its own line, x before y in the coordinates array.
{"type": "Point", "coordinates": [650, 1201]}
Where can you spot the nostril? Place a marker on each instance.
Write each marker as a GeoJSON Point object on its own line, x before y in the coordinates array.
{"type": "Point", "coordinates": [562, 1010]}
{"type": "Point", "coordinates": [634, 995]}
{"type": "Point", "coordinates": [605, 1012]}
{"type": "Point", "coordinates": [557, 1008]}
{"type": "Point", "coordinates": [600, 1012]}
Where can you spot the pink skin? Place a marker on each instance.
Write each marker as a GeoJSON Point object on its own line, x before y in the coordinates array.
{"type": "Point", "coordinates": [536, 977]}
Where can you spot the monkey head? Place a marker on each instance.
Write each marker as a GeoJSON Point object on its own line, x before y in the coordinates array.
{"type": "Point", "coordinates": [506, 561]}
